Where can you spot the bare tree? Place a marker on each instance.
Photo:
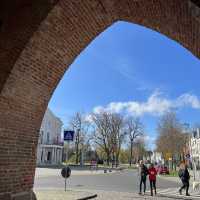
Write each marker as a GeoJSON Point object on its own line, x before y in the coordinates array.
{"type": "Point", "coordinates": [81, 127]}
{"type": "Point", "coordinates": [134, 129]}
{"type": "Point", "coordinates": [102, 136]}
{"type": "Point", "coordinates": [171, 139]}
{"type": "Point", "coordinates": [139, 149]}
{"type": "Point", "coordinates": [109, 134]}
{"type": "Point", "coordinates": [117, 135]}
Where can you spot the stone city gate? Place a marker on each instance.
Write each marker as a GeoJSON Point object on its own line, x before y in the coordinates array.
{"type": "Point", "coordinates": [39, 39]}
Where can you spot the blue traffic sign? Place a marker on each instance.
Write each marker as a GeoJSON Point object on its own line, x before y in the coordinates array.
{"type": "Point", "coordinates": [68, 135]}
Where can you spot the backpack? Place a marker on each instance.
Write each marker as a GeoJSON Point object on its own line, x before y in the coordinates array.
{"type": "Point", "coordinates": [180, 173]}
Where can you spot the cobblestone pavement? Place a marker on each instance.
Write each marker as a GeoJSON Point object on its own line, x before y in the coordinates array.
{"type": "Point", "coordinates": [101, 195]}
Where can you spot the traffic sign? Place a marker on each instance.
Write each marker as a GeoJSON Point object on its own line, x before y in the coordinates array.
{"type": "Point", "coordinates": [68, 135]}
{"type": "Point", "coordinates": [66, 172]}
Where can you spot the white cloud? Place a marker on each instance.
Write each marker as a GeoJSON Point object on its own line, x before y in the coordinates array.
{"type": "Point", "coordinates": [156, 104]}
{"type": "Point", "coordinates": [188, 100]}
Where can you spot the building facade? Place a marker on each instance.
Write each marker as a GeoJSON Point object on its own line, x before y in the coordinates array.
{"type": "Point", "coordinates": [50, 145]}
{"type": "Point", "coordinates": [195, 147]}
{"type": "Point", "coordinates": [157, 157]}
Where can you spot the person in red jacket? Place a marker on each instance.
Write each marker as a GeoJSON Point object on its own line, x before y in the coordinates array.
{"type": "Point", "coordinates": [152, 178]}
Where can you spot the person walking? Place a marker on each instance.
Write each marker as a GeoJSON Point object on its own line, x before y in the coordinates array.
{"type": "Point", "coordinates": [143, 172]}
{"type": "Point", "coordinates": [185, 178]}
{"type": "Point", "coordinates": [152, 178]}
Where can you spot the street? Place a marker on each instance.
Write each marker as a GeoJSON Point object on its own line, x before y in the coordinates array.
{"type": "Point", "coordinates": [126, 181]}
{"type": "Point", "coordinates": [116, 185]}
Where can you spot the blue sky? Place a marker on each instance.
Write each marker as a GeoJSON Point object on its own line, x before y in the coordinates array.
{"type": "Point", "coordinates": [129, 68]}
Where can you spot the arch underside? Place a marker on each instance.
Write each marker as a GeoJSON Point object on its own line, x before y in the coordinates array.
{"type": "Point", "coordinates": [40, 39]}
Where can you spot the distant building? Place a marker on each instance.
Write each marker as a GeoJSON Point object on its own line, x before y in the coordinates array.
{"type": "Point", "coordinates": [195, 147]}
{"type": "Point", "coordinates": [50, 146]}
{"type": "Point", "coordinates": [157, 157]}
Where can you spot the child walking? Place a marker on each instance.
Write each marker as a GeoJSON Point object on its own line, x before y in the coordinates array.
{"type": "Point", "coordinates": [152, 178]}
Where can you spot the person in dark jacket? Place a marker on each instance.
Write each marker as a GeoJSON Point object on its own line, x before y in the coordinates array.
{"type": "Point", "coordinates": [152, 178]}
{"type": "Point", "coordinates": [185, 178]}
{"type": "Point", "coordinates": [143, 172]}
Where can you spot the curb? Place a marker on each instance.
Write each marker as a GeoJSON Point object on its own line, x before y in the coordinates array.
{"type": "Point", "coordinates": [89, 197]}
{"type": "Point", "coordinates": [177, 197]}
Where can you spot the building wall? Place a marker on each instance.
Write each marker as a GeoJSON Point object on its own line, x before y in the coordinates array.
{"type": "Point", "coordinates": [157, 157]}
{"type": "Point", "coordinates": [50, 148]}
{"type": "Point", "coordinates": [50, 131]}
{"type": "Point", "coordinates": [195, 147]}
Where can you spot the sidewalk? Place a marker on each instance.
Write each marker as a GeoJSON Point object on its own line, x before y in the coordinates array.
{"type": "Point", "coordinates": [101, 195]}
{"type": "Point", "coordinates": [53, 194]}
{"type": "Point", "coordinates": [174, 192]}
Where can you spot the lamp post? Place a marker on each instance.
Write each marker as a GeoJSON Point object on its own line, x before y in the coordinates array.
{"type": "Point", "coordinates": [81, 151]}
{"type": "Point", "coordinates": [131, 152]}
{"type": "Point", "coordinates": [77, 145]}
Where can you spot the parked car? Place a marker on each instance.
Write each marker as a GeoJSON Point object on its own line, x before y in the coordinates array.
{"type": "Point", "coordinates": [161, 169]}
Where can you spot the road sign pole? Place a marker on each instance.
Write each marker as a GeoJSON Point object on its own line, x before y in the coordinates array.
{"type": "Point", "coordinates": [68, 143]}
{"type": "Point", "coordinates": [65, 184]}
{"type": "Point", "coordinates": [66, 158]}
{"type": "Point", "coordinates": [68, 136]}
{"type": "Point", "coordinates": [66, 172]}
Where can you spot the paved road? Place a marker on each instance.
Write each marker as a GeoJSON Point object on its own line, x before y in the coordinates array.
{"type": "Point", "coordinates": [126, 181]}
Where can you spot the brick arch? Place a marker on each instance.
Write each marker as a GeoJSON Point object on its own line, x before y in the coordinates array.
{"type": "Point", "coordinates": [42, 47]}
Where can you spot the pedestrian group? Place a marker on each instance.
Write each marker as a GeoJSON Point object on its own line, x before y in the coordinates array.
{"type": "Point", "coordinates": [143, 173]}
{"type": "Point", "coordinates": [150, 171]}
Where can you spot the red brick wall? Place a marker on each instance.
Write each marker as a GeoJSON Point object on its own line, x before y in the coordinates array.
{"type": "Point", "coordinates": [36, 50]}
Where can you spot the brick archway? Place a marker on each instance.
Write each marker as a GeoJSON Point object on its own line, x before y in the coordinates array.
{"type": "Point", "coordinates": [38, 41]}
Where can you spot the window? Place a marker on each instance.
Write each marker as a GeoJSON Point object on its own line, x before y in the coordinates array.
{"type": "Point", "coordinates": [48, 137]}
{"type": "Point", "coordinates": [41, 155]}
{"type": "Point", "coordinates": [41, 137]}
{"type": "Point", "coordinates": [49, 124]}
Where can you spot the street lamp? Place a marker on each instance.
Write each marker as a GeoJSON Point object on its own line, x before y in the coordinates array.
{"type": "Point", "coordinates": [77, 144]}
{"type": "Point", "coordinates": [131, 152]}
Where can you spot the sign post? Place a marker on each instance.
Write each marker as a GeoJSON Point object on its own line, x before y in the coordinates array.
{"type": "Point", "coordinates": [66, 171]}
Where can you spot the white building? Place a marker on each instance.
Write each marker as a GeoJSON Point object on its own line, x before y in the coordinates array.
{"type": "Point", "coordinates": [157, 157]}
{"type": "Point", "coordinates": [195, 147]}
{"type": "Point", "coordinates": [50, 146]}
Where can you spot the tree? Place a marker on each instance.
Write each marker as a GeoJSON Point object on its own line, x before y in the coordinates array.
{"type": "Point", "coordinates": [134, 129]}
{"type": "Point", "coordinates": [124, 156]}
{"type": "Point", "coordinates": [117, 135]}
{"type": "Point", "coordinates": [101, 133]}
{"type": "Point", "coordinates": [171, 140]}
{"type": "Point", "coordinates": [81, 127]}
{"type": "Point", "coordinates": [139, 149]}
{"type": "Point", "coordinates": [108, 133]}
